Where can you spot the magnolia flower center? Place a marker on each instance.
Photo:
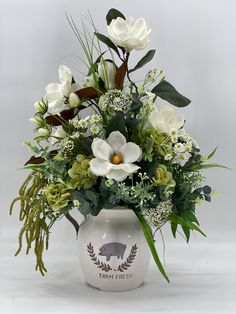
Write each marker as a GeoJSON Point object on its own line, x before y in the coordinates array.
{"type": "Point", "coordinates": [116, 159]}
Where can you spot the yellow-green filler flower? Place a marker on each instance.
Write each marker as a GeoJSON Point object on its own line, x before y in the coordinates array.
{"type": "Point", "coordinates": [163, 177]}
{"type": "Point", "coordinates": [58, 195]}
{"type": "Point", "coordinates": [81, 176]}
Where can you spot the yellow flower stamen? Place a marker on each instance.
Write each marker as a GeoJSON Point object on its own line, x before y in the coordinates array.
{"type": "Point", "coordinates": [116, 159]}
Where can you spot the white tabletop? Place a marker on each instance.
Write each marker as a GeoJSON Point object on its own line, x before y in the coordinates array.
{"type": "Point", "coordinates": [203, 280]}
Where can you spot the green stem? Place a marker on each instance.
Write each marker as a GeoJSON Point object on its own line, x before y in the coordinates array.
{"type": "Point", "coordinates": [149, 238]}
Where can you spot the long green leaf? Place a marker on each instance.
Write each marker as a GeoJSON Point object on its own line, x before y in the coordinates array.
{"type": "Point", "coordinates": [147, 58]}
{"type": "Point", "coordinates": [180, 221]}
{"type": "Point", "coordinates": [167, 92]}
{"type": "Point", "coordinates": [212, 153]}
{"type": "Point", "coordinates": [148, 235]}
{"type": "Point", "coordinates": [207, 166]}
{"type": "Point", "coordinates": [107, 42]}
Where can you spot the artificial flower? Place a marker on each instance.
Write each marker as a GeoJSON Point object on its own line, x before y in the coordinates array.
{"type": "Point", "coordinates": [114, 157]}
{"type": "Point", "coordinates": [129, 34]}
{"type": "Point", "coordinates": [59, 134]}
{"type": "Point", "coordinates": [58, 195]}
{"type": "Point", "coordinates": [57, 93]}
{"type": "Point", "coordinates": [80, 174]}
{"type": "Point", "coordinates": [107, 71]}
{"type": "Point", "coordinates": [43, 132]}
{"type": "Point", "coordinates": [164, 120]}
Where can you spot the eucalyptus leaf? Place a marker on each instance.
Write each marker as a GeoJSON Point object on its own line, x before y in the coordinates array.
{"type": "Point", "coordinates": [113, 14]}
{"type": "Point", "coordinates": [117, 123]}
{"type": "Point", "coordinates": [167, 92]}
{"type": "Point", "coordinates": [147, 58]}
{"type": "Point", "coordinates": [107, 42]}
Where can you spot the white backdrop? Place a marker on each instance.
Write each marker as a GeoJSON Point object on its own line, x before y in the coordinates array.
{"type": "Point", "coordinates": [196, 46]}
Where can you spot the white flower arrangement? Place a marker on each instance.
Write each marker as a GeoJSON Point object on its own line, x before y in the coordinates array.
{"type": "Point", "coordinates": [130, 152]}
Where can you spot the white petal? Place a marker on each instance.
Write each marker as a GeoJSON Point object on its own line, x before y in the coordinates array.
{"type": "Point", "coordinates": [118, 175]}
{"type": "Point", "coordinates": [101, 149]}
{"type": "Point", "coordinates": [157, 121]}
{"type": "Point", "coordinates": [176, 122]}
{"type": "Point", "coordinates": [167, 112]}
{"type": "Point", "coordinates": [127, 167]}
{"type": "Point", "coordinates": [130, 152]}
{"type": "Point", "coordinates": [100, 167]}
{"type": "Point", "coordinates": [65, 74]}
{"type": "Point", "coordinates": [116, 140]}
{"type": "Point", "coordinates": [57, 106]}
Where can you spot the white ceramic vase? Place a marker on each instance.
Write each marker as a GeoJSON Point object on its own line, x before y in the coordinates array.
{"type": "Point", "coordinates": [113, 252]}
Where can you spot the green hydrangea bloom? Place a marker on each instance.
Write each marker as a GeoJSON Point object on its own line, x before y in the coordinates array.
{"type": "Point", "coordinates": [58, 195]}
{"type": "Point", "coordinates": [163, 177]}
{"type": "Point", "coordinates": [80, 174]}
{"type": "Point", "coordinates": [153, 143]}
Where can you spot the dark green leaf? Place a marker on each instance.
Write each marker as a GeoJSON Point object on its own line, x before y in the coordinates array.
{"type": "Point", "coordinates": [207, 198]}
{"type": "Point", "coordinates": [117, 123]}
{"type": "Point", "coordinates": [191, 216]}
{"type": "Point", "coordinates": [113, 14]}
{"type": "Point", "coordinates": [136, 105]}
{"type": "Point", "coordinates": [179, 220]}
{"type": "Point", "coordinates": [167, 92]}
{"type": "Point", "coordinates": [107, 42]}
{"type": "Point", "coordinates": [206, 189]}
{"type": "Point", "coordinates": [174, 228]}
{"type": "Point", "coordinates": [147, 58]}
{"type": "Point", "coordinates": [186, 231]}
{"type": "Point", "coordinates": [149, 238]}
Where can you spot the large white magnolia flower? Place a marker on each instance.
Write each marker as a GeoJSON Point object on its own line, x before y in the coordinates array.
{"type": "Point", "coordinates": [114, 157]}
{"type": "Point", "coordinates": [57, 92]}
{"type": "Point", "coordinates": [129, 34]}
{"type": "Point", "coordinates": [164, 120]}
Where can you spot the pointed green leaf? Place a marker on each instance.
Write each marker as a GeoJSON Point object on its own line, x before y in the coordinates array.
{"type": "Point", "coordinates": [104, 39]}
{"type": "Point", "coordinates": [179, 220]}
{"type": "Point", "coordinates": [148, 235]}
{"type": "Point", "coordinates": [147, 58]}
{"type": "Point", "coordinates": [174, 228]}
{"type": "Point", "coordinates": [186, 231]}
{"type": "Point", "coordinates": [212, 153]}
{"type": "Point", "coordinates": [167, 92]}
{"type": "Point", "coordinates": [113, 14]}
{"type": "Point", "coordinates": [207, 166]}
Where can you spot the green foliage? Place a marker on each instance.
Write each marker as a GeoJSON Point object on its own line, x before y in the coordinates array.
{"type": "Point", "coordinates": [113, 14]}
{"type": "Point", "coordinates": [147, 58]}
{"type": "Point", "coordinates": [117, 123]}
{"type": "Point", "coordinates": [104, 39]}
{"type": "Point", "coordinates": [150, 241]}
{"type": "Point", "coordinates": [33, 213]}
{"type": "Point", "coordinates": [167, 92]}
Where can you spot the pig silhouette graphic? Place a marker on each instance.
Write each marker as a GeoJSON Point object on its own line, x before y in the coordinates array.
{"type": "Point", "coordinates": [112, 249]}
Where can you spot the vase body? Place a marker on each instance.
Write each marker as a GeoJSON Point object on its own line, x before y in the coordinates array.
{"type": "Point", "coordinates": [113, 252]}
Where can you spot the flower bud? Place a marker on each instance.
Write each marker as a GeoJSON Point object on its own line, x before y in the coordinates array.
{"type": "Point", "coordinates": [74, 100]}
{"type": "Point", "coordinates": [37, 121]}
{"type": "Point", "coordinates": [43, 132]}
{"type": "Point", "coordinates": [107, 71]}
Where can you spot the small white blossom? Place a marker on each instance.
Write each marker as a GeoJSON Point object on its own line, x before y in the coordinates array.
{"type": "Point", "coordinates": [95, 118]}
{"type": "Point", "coordinates": [179, 148]}
{"type": "Point", "coordinates": [158, 216]}
{"type": "Point", "coordinates": [94, 129]}
{"type": "Point", "coordinates": [173, 132]}
{"type": "Point", "coordinates": [182, 158]}
{"type": "Point", "coordinates": [168, 157]}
